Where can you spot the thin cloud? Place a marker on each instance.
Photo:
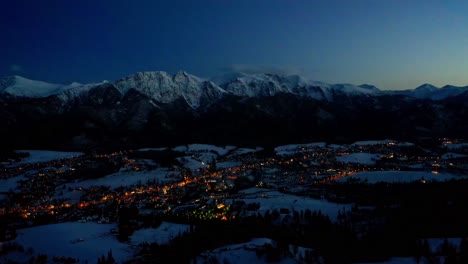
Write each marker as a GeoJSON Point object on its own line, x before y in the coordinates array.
{"type": "Point", "coordinates": [16, 68]}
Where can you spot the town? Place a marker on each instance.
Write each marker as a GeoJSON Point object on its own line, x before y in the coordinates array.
{"type": "Point", "coordinates": [133, 190]}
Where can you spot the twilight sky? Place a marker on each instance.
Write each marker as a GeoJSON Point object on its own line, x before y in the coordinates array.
{"type": "Point", "coordinates": [393, 44]}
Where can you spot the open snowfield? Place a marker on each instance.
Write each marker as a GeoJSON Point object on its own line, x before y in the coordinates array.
{"type": "Point", "coordinates": [46, 155]}
{"type": "Point", "coordinates": [292, 149]}
{"type": "Point", "coordinates": [372, 142]}
{"type": "Point", "coordinates": [237, 253]}
{"type": "Point", "coordinates": [271, 200]}
{"type": "Point", "coordinates": [435, 244]}
{"type": "Point", "coordinates": [161, 235]}
{"type": "Point", "coordinates": [228, 164]}
{"type": "Point", "coordinates": [241, 151]}
{"type": "Point", "coordinates": [85, 241]}
{"type": "Point", "coordinates": [455, 146]}
{"type": "Point", "coordinates": [152, 149]}
{"type": "Point", "coordinates": [125, 178]}
{"type": "Point", "coordinates": [10, 184]}
{"type": "Point", "coordinates": [198, 148]}
{"type": "Point", "coordinates": [451, 155]}
{"type": "Point", "coordinates": [403, 260]}
{"type": "Point", "coordinates": [362, 158]}
{"type": "Point", "coordinates": [245, 253]}
{"type": "Point", "coordinates": [400, 176]}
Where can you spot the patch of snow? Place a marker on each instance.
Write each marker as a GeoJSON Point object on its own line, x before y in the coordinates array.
{"type": "Point", "coordinates": [246, 253]}
{"type": "Point", "coordinates": [451, 155]}
{"type": "Point", "coordinates": [292, 149]}
{"type": "Point", "coordinates": [435, 244]}
{"type": "Point", "coordinates": [362, 158]}
{"type": "Point", "coordinates": [180, 148]}
{"type": "Point", "coordinates": [372, 142]}
{"type": "Point", "coordinates": [36, 156]}
{"type": "Point", "coordinates": [400, 176]}
{"type": "Point", "coordinates": [125, 178]}
{"type": "Point", "coordinates": [207, 148]}
{"type": "Point", "coordinates": [161, 235]}
{"type": "Point", "coordinates": [271, 200]}
{"type": "Point", "coordinates": [401, 260]}
{"type": "Point", "coordinates": [151, 149]}
{"type": "Point", "coordinates": [20, 86]}
{"type": "Point", "coordinates": [11, 183]}
{"type": "Point", "coordinates": [195, 162]}
{"type": "Point", "coordinates": [456, 146]}
{"type": "Point", "coordinates": [241, 151]}
{"type": "Point", "coordinates": [84, 241]}
{"type": "Point", "coordinates": [227, 164]}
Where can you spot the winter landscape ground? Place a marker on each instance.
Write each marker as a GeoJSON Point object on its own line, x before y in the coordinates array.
{"type": "Point", "coordinates": [294, 203]}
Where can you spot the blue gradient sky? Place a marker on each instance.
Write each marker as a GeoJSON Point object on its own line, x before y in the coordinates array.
{"type": "Point", "coordinates": [393, 44]}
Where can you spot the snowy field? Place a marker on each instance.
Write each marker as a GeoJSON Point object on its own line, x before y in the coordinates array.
{"type": "Point", "coordinates": [242, 151]}
{"type": "Point", "coordinates": [10, 184]}
{"type": "Point", "coordinates": [246, 253]}
{"type": "Point", "coordinates": [292, 149]}
{"type": "Point", "coordinates": [451, 155]}
{"type": "Point", "coordinates": [408, 260]}
{"type": "Point", "coordinates": [435, 244]}
{"type": "Point", "coordinates": [228, 164]}
{"type": "Point", "coordinates": [161, 235]}
{"type": "Point", "coordinates": [455, 146]}
{"type": "Point", "coordinates": [362, 158]}
{"type": "Point", "coordinates": [46, 155]}
{"type": "Point", "coordinates": [85, 241]}
{"type": "Point", "coordinates": [372, 142]}
{"type": "Point", "coordinates": [400, 176]}
{"type": "Point", "coordinates": [151, 149]}
{"type": "Point", "coordinates": [125, 178]}
{"type": "Point", "coordinates": [271, 200]}
{"type": "Point", "coordinates": [197, 148]}
{"type": "Point", "coordinates": [198, 161]}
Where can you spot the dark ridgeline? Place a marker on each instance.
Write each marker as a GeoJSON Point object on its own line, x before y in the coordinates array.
{"type": "Point", "coordinates": [105, 118]}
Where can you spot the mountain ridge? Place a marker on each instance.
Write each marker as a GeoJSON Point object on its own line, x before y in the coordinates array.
{"type": "Point", "coordinates": [167, 88]}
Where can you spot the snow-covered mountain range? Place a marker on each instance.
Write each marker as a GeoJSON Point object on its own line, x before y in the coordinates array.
{"type": "Point", "coordinates": [23, 87]}
{"type": "Point", "coordinates": [166, 88]}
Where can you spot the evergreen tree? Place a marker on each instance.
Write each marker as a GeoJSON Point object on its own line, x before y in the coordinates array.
{"type": "Point", "coordinates": [464, 250]}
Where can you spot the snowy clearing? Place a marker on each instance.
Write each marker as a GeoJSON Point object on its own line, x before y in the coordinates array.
{"type": "Point", "coordinates": [85, 241]}
{"type": "Point", "coordinates": [451, 155]}
{"type": "Point", "coordinates": [435, 244]}
{"type": "Point", "coordinates": [36, 156]}
{"type": "Point", "coordinates": [161, 235]}
{"type": "Point", "coordinates": [271, 200]}
{"type": "Point", "coordinates": [246, 253]}
{"type": "Point", "coordinates": [242, 151]}
{"type": "Point", "coordinates": [296, 148]}
{"type": "Point", "coordinates": [125, 178]}
{"type": "Point", "coordinates": [227, 164]}
{"type": "Point", "coordinates": [10, 184]}
{"type": "Point", "coordinates": [372, 142]}
{"type": "Point", "coordinates": [404, 260]}
{"type": "Point", "coordinates": [362, 158]}
{"type": "Point", "coordinates": [400, 176]}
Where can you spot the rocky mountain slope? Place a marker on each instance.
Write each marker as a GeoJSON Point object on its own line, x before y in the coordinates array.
{"type": "Point", "coordinates": [153, 108]}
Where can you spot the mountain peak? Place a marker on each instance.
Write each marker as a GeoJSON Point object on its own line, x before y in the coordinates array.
{"type": "Point", "coordinates": [427, 86]}
{"type": "Point", "coordinates": [368, 86]}
{"type": "Point", "coordinates": [166, 88]}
